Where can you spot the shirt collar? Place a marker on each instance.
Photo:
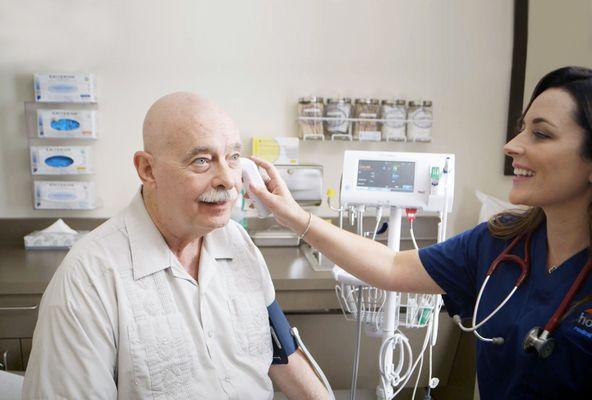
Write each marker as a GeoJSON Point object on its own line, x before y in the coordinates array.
{"type": "Point", "coordinates": [218, 246]}
{"type": "Point", "coordinates": [149, 251]}
{"type": "Point", "coordinates": [215, 248]}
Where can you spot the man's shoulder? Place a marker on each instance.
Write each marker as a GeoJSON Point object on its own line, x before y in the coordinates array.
{"type": "Point", "coordinates": [113, 226]}
{"type": "Point", "coordinates": [104, 247]}
{"type": "Point", "coordinates": [106, 235]}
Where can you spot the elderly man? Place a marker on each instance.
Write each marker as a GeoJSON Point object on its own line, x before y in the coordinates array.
{"type": "Point", "coordinates": [168, 299]}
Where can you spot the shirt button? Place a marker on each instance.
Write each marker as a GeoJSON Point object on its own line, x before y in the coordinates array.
{"type": "Point", "coordinates": [227, 379]}
{"type": "Point", "coordinates": [210, 334]}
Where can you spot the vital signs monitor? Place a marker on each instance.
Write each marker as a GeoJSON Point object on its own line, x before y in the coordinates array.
{"type": "Point", "coordinates": [392, 179]}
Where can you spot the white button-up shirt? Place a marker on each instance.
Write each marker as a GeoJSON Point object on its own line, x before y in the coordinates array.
{"type": "Point", "coordinates": [121, 318]}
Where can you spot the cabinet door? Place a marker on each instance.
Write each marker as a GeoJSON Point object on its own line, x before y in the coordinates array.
{"type": "Point", "coordinates": [10, 354]}
{"type": "Point", "coordinates": [331, 339]}
{"type": "Point", "coordinates": [26, 350]}
{"type": "Point", "coordinates": [18, 315]}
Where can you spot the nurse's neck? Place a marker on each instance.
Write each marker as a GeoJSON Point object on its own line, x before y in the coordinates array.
{"type": "Point", "coordinates": [568, 232]}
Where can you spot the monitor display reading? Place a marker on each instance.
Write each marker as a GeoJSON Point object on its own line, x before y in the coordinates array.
{"type": "Point", "coordinates": [391, 176]}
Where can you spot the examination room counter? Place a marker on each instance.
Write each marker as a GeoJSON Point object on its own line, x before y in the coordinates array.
{"type": "Point", "coordinates": [306, 296]}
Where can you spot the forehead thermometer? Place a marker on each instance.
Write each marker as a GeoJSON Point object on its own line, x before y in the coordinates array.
{"type": "Point", "coordinates": [252, 176]}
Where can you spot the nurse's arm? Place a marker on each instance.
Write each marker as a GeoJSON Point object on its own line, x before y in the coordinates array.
{"type": "Point", "coordinates": [371, 261]}
{"type": "Point", "coordinates": [297, 379]}
{"type": "Point", "coordinates": [367, 259]}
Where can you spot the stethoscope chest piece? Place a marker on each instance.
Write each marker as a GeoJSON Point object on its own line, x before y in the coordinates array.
{"type": "Point", "coordinates": [539, 340]}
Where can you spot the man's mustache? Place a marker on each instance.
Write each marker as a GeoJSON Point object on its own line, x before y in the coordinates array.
{"type": "Point", "coordinates": [216, 195]}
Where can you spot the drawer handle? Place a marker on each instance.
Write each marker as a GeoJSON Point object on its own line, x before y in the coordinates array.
{"type": "Point", "coordinates": [4, 363]}
{"type": "Point", "coordinates": [20, 308]}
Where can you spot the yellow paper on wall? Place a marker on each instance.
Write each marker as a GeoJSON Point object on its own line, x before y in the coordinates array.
{"type": "Point", "coordinates": [281, 150]}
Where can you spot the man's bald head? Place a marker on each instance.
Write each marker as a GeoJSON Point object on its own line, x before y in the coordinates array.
{"type": "Point", "coordinates": [174, 117]}
{"type": "Point", "coordinates": [191, 155]}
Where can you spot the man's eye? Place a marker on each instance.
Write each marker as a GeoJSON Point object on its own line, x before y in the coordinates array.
{"type": "Point", "coordinates": [201, 161]}
{"type": "Point", "coordinates": [235, 157]}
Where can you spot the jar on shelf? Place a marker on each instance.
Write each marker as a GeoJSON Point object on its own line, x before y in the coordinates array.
{"type": "Point", "coordinates": [394, 114]}
{"type": "Point", "coordinates": [369, 128]}
{"type": "Point", "coordinates": [310, 114]}
{"type": "Point", "coordinates": [340, 109]}
{"type": "Point", "coordinates": [419, 127]}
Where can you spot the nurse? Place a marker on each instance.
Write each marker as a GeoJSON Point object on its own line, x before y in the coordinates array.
{"type": "Point", "coordinates": [552, 160]}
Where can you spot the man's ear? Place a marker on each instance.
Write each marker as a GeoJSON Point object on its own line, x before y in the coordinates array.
{"type": "Point", "coordinates": [144, 163]}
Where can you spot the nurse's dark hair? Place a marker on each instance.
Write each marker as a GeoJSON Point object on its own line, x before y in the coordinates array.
{"type": "Point", "coordinates": [577, 82]}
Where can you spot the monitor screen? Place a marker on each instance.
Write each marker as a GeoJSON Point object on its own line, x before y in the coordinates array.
{"type": "Point", "coordinates": [391, 176]}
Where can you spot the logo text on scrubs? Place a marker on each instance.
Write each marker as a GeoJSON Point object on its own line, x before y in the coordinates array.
{"type": "Point", "coordinates": [584, 323]}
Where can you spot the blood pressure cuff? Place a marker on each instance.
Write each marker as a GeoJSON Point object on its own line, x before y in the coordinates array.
{"type": "Point", "coordinates": [281, 337]}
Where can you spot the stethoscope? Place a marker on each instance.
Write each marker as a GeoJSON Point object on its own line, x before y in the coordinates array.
{"type": "Point", "coordinates": [537, 338]}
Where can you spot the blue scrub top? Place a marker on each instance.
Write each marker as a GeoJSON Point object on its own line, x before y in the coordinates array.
{"type": "Point", "coordinates": [506, 371]}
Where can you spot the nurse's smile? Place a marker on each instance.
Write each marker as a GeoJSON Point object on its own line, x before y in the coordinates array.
{"type": "Point", "coordinates": [521, 173]}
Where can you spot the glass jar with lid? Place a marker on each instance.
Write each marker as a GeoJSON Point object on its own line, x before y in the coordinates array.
{"type": "Point", "coordinates": [368, 128]}
{"type": "Point", "coordinates": [338, 108]}
{"type": "Point", "coordinates": [419, 128]}
{"type": "Point", "coordinates": [394, 115]}
{"type": "Point", "coordinates": [310, 113]}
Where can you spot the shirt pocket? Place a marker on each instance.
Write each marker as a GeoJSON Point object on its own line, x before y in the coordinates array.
{"type": "Point", "coordinates": [250, 323]}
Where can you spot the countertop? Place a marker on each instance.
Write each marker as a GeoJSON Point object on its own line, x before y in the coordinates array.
{"type": "Point", "coordinates": [29, 271]}
{"type": "Point", "coordinates": [26, 272]}
{"type": "Point", "coordinates": [299, 288]}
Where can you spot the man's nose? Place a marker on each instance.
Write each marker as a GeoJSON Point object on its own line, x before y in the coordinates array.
{"type": "Point", "coordinates": [224, 177]}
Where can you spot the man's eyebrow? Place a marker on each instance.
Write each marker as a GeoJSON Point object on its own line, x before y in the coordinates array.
{"type": "Point", "coordinates": [543, 120]}
{"type": "Point", "coordinates": [195, 151]}
{"type": "Point", "coordinates": [236, 146]}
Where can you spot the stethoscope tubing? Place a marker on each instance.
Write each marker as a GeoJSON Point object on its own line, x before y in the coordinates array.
{"type": "Point", "coordinates": [524, 265]}
{"type": "Point", "coordinates": [504, 256]}
{"type": "Point", "coordinates": [575, 287]}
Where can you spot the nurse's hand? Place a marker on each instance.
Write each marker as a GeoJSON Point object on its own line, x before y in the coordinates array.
{"type": "Point", "coordinates": [279, 200]}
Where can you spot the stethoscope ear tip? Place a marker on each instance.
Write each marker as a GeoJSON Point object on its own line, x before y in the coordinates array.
{"type": "Point", "coordinates": [497, 340]}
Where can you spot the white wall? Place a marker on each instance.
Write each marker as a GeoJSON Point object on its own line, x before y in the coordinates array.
{"type": "Point", "coordinates": [559, 34]}
{"type": "Point", "coordinates": [256, 58]}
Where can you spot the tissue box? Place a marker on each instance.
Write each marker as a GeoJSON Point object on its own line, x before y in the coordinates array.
{"type": "Point", "coordinates": [62, 124]}
{"type": "Point", "coordinates": [57, 236]}
{"type": "Point", "coordinates": [51, 241]}
{"type": "Point", "coordinates": [65, 88]}
{"type": "Point", "coordinates": [62, 195]}
{"type": "Point", "coordinates": [61, 160]}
